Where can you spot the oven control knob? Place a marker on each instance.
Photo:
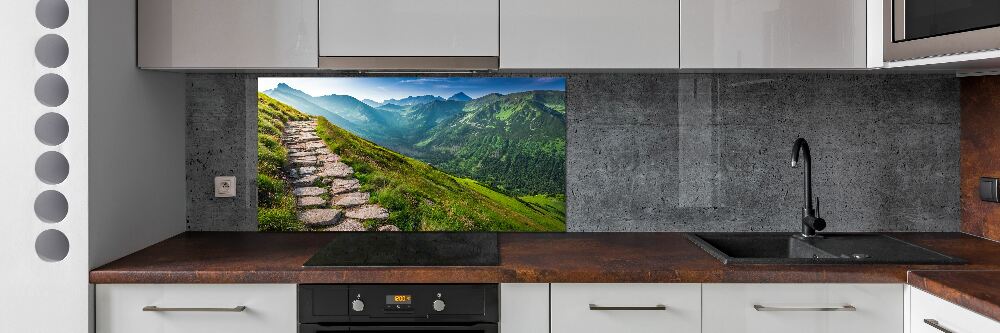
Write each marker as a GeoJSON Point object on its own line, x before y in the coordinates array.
{"type": "Point", "coordinates": [358, 305]}
{"type": "Point", "coordinates": [438, 305]}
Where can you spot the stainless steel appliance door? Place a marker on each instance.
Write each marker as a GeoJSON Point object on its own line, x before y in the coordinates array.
{"type": "Point", "coordinates": [915, 29]}
{"type": "Point", "coordinates": [931, 18]}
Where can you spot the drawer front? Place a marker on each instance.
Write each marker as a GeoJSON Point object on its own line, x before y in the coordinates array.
{"type": "Point", "coordinates": [407, 28]}
{"type": "Point", "coordinates": [269, 308]}
{"type": "Point", "coordinates": [634, 308]}
{"type": "Point", "coordinates": [946, 315]}
{"type": "Point", "coordinates": [803, 308]}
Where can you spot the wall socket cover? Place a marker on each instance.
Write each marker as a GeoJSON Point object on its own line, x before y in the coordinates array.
{"type": "Point", "coordinates": [988, 189]}
{"type": "Point", "coordinates": [225, 187]}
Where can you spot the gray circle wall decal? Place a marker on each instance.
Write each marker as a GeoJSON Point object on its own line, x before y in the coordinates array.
{"type": "Point", "coordinates": [52, 245]}
{"type": "Point", "coordinates": [51, 129]}
{"type": "Point", "coordinates": [52, 13]}
{"type": "Point", "coordinates": [52, 167]}
{"type": "Point", "coordinates": [51, 51]}
{"type": "Point", "coordinates": [51, 90]}
{"type": "Point", "coordinates": [51, 206]}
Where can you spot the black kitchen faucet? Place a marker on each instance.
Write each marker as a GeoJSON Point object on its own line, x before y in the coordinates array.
{"type": "Point", "coordinates": [810, 221]}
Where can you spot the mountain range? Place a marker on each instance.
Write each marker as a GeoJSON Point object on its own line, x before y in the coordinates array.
{"type": "Point", "coordinates": [413, 100]}
{"type": "Point", "coordinates": [514, 143]}
{"type": "Point", "coordinates": [460, 96]}
{"type": "Point", "coordinates": [371, 103]}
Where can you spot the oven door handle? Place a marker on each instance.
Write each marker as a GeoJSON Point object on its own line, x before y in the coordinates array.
{"type": "Point", "coordinates": [316, 328]}
{"type": "Point", "coordinates": [484, 328]}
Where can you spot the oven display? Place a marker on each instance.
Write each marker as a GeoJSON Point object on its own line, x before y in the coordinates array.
{"type": "Point", "coordinates": [398, 299]}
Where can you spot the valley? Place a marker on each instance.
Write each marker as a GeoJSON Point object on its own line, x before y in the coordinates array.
{"type": "Point", "coordinates": [296, 194]}
{"type": "Point", "coordinates": [513, 143]}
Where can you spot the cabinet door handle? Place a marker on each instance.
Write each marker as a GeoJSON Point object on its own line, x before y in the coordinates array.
{"type": "Point", "coordinates": [159, 309]}
{"type": "Point", "coordinates": [596, 307]}
{"type": "Point", "coordinates": [935, 324]}
{"type": "Point", "coordinates": [759, 307]}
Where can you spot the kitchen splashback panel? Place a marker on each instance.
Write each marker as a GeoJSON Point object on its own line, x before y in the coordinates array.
{"type": "Point", "coordinates": [411, 154]}
{"type": "Point", "coordinates": [683, 152]}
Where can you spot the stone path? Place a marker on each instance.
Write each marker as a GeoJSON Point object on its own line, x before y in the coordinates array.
{"type": "Point", "coordinates": [328, 196]}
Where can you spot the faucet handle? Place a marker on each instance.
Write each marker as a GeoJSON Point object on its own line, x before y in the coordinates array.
{"type": "Point", "coordinates": [817, 206]}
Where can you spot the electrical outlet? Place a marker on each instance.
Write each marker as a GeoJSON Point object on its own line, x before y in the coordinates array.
{"type": "Point", "coordinates": [225, 187]}
{"type": "Point", "coordinates": [988, 189]}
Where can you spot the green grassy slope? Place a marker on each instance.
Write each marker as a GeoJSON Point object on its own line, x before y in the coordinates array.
{"type": "Point", "coordinates": [421, 197]}
{"type": "Point", "coordinates": [275, 202]}
{"type": "Point", "coordinates": [540, 207]}
{"type": "Point", "coordinates": [552, 204]}
{"type": "Point", "coordinates": [516, 142]}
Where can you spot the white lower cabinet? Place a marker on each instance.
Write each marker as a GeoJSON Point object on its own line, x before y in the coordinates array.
{"type": "Point", "coordinates": [180, 308]}
{"type": "Point", "coordinates": [802, 308]}
{"type": "Point", "coordinates": [524, 308]}
{"type": "Point", "coordinates": [570, 308]}
{"type": "Point", "coordinates": [634, 308]}
{"type": "Point", "coordinates": [930, 314]}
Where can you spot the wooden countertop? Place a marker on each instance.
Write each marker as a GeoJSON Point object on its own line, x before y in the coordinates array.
{"type": "Point", "coordinates": [978, 291]}
{"type": "Point", "coordinates": [252, 257]}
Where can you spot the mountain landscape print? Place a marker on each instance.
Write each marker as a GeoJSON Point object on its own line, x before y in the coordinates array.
{"type": "Point", "coordinates": [411, 154]}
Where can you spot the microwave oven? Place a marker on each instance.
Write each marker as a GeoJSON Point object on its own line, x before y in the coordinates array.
{"type": "Point", "coordinates": [915, 29]}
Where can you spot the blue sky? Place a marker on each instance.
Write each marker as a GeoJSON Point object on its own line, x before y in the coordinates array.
{"type": "Point", "coordinates": [381, 88]}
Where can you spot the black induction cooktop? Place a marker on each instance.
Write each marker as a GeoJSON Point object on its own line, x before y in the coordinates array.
{"type": "Point", "coordinates": [409, 249]}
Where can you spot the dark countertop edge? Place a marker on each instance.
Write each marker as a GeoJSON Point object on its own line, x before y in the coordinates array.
{"type": "Point", "coordinates": [221, 257]}
{"type": "Point", "coordinates": [969, 289]}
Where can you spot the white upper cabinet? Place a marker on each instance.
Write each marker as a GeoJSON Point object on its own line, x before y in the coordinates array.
{"type": "Point", "coordinates": [510, 34]}
{"type": "Point", "coordinates": [227, 34]}
{"type": "Point", "coordinates": [780, 34]}
{"type": "Point", "coordinates": [408, 28]}
{"type": "Point", "coordinates": [589, 34]}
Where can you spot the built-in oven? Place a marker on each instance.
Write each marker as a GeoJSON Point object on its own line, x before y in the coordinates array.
{"type": "Point", "coordinates": [376, 308]}
{"type": "Point", "coordinates": [916, 29]}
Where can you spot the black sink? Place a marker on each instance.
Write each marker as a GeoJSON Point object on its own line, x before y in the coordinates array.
{"type": "Point", "coordinates": [837, 248]}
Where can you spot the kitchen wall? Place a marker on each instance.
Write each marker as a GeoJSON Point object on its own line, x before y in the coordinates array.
{"type": "Point", "coordinates": [684, 152]}
{"type": "Point", "coordinates": [136, 140]}
{"type": "Point", "coordinates": [980, 152]}
{"type": "Point", "coordinates": [221, 141]}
